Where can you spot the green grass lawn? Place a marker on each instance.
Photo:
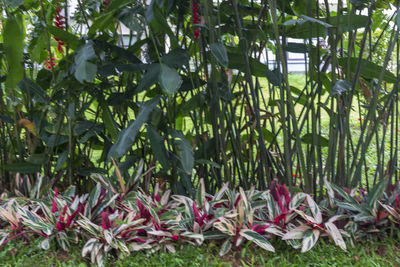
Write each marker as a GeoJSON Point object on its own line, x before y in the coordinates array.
{"type": "Point", "coordinates": [372, 253]}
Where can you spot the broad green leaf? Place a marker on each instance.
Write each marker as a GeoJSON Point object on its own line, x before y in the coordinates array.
{"type": "Point", "coordinates": [186, 156]}
{"type": "Point", "coordinates": [220, 53]}
{"type": "Point", "coordinates": [236, 61]}
{"type": "Point", "coordinates": [176, 58]}
{"type": "Point", "coordinates": [295, 48]}
{"type": "Point", "coordinates": [29, 87]}
{"type": "Point", "coordinates": [369, 70]}
{"type": "Point", "coordinates": [13, 36]}
{"type": "Point", "coordinates": [340, 87]}
{"type": "Point", "coordinates": [310, 28]}
{"type": "Point", "coordinates": [169, 79]}
{"type": "Point", "coordinates": [23, 167]}
{"type": "Point", "coordinates": [275, 77]}
{"type": "Point", "coordinates": [313, 20]}
{"type": "Point", "coordinates": [309, 137]}
{"type": "Point", "coordinates": [376, 193]}
{"type": "Point", "coordinates": [14, 3]}
{"type": "Point", "coordinates": [70, 39]}
{"type": "Point", "coordinates": [158, 147]}
{"type": "Point", "coordinates": [101, 22]}
{"type": "Point", "coordinates": [62, 159]}
{"type": "Point", "coordinates": [109, 122]}
{"type": "Point", "coordinates": [85, 70]}
{"type": "Point", "coordinates": [127, 136]}
{"type": "Point", "coordinates": [131, 18]}
{"type": "Point", "coordinates": [151, 77]}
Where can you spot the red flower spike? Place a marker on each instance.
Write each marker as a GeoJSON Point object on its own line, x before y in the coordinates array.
{"type": "Point", "coordinates": [59, 22]}
{"type": "Point", "coordinates": [397, 201]}
{"type": "Point", "coordinates": [196, 19]}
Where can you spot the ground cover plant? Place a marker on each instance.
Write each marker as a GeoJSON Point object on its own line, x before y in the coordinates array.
{"type": "Point", "coordinates": [140, 125]}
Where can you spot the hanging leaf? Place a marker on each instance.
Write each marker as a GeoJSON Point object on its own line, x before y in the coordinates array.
{"type": "Point", "coordinates": [275, 77]}
{"type": "Point", "coordinates": [67, 37]}
{"type": "Point", "coordinates": [169, 79]}
{"type": "Point", "coordinates": [220, 53]}
{"type": "Point", "coordinates": [295, 48]}
{"type": "Point", "coordinates": [308, 139]}
{"type": "Point", "coordinates": [376, 193]}
{"type": "Point", "coordinates": [176, 58]}
{"type": "Point", "coordinates": [369, 70]}
{"type": "Point", "coordinates": [236, 61]}
{"type": "Point", "coordinates": [158, 147]}
{"type": "Point", "coordinates": [14, 3]}
{"type": "Point", "coordinates": [186, 155]}
{"type": "Point", "coordinates": [109, 122]}
{"type": "Point", "coordinates": [150, 78]}
{"type": "Point", "coordinates": [132, 19]}
{"type": "Point", "coordinates": [34, 90]}
{"type": "Point", "coordinates": [127, 136]}
{"type": "Point", "coordinates": [85, 70]}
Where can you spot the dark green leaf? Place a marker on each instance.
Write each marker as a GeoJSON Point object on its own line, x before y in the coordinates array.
{"type": "Point", "coordinates": [23, 167]}
{"type": "Point", "coordinates": [85, 70]}
{"type": "Point", "coordinates": [176, 58]}
{"type": "Point", "coordinates": [340, 87]}
{"type": "Point", "coordinates": [369, 70]}
{"type": "Point", "coordinates": [127, 136]}
{"type": "Point", "coordinates": [220, 53]}
{"type": "Point", "coordinates": [169, 79]}
{"type": "Point", "coordinates": [158, 147]}
{"type": "Point", "coordinates": [64, 36]}
{"type": "Point", "coordinates": [275, 77]}
{"type": "Point", "coordinates": [34, 90]}
{"type": "Point", "coordinates": [308, 139]}
{"type": "Point", "coordinates": [14, 3]}
{"type": "Point", "coordinates": [186, 156]}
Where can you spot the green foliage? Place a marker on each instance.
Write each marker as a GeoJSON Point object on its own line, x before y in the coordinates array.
{"type": "Point", "coordinates": [190, 92]}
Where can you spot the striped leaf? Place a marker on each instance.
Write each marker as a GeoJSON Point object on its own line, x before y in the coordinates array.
{"type": "Point", "coordinates": [309, 240]}
{"type": "Point", "coordinates": [225, 248]}
{"type": "Point", "coordinates": [334, 232]}
{"type": "Point", "coordinates": [260, 240]}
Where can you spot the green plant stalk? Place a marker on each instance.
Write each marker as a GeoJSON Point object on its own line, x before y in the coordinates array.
{"type": "Point", "coordinates": [308, 181]}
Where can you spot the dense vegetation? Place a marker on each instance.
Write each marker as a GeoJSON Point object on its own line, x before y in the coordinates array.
{"type": "Point", "coordinates": [116, 118]}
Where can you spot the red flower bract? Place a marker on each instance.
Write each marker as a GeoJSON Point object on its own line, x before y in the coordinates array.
{"type": "Point", "coordinates": [196, 19]}
{"type": "Point", "coordinates": [59, 22]}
